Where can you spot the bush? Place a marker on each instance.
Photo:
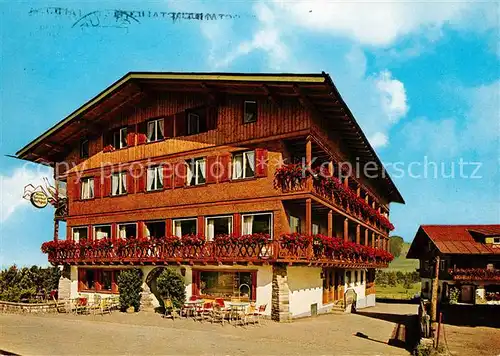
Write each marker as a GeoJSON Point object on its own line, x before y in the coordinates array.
{"type": "Point", "coordinates": [18, 284]}
{"type": "Point", "coordinates": [170, 285]}
{"type": "Point", "coordinates": [454, 295]}
{"type": "Point", "coordinates": [129, 285]}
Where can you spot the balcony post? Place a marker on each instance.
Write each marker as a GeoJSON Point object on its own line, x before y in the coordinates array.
{"type": "Point", "coordinates": [366, 237]}
{"type": "Point", "coordinates": [346, 229]}
{"type": "Point", "coordinates": [330, 223]}
{"type": "Point", "coordinates": [358, 233]}
{"type": "Point", "coordinates": [358, 191]}
{"type": "Point", "coordinates": [56, 221]}
{"type": "Point", "coordinates": [168, 227]}
{"type": "Point", "coordinates": [308, 216]}
{"type": "Point", "coordinates": [309, 161]}
{"type": "Point", "coordinates": [201, 225]}
{"type": "Point", "coordinates": [373, 239]}
{"type": "Point", "coordinates": [346, 182]}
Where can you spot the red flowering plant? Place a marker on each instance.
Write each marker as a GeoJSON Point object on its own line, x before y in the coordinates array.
{"type": "Point", "coordinates": [84, 244]}
{"type": "Point", "coordinates": [193, 240]}
{"type": "Point", "coordinates": [255, 239]}
{"type": "Point", "coordinates": [103, 244]}
{"type": "Point", "coordinates": [289, 176]}
{"type": "Point", "coordinates": [226, 239]}
{"type": "Point", "coordinates": [174, 241]}
{"type": "Point", "coordinates": [108, 148]}
{"type": "Point", "coordinates": [49, 247]}
{"type": "Point", "coordinates": [475, 274]}
{"type": "Point", "coordinates": [296, 240]}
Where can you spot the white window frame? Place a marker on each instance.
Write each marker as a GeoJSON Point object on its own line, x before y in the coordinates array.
{"type": "Point", "coordinates": [78, 228]}
{"type": "Point", "coordinates": [243, 155]}
{"type": "Point", "coordinates": [245, 111]}
{"type": "Point", "coordinates": [126, 223]}
{"type": "Point", "coordinates": [315, 227]}
{"type": "Point", "coordinates": [218, 217]}
{"type": "Point", "coordinates": [156, 130]}
{"type": "Point", "coordinates": [195, 174]}
{"type": "Point", "coordinates": [189, 118]}
{"type": "Point", "coordinates": [156, 181]}
{"type": "Point", "coordinates": [121, 135]}
{"type": "Point", "coordinates": [183, 219]}
{"type": "Point", "coordinates": [121, 178]}
{"type": "Point", "coordinates": [290, 223]}
{"type": "Point", "coordinates": [271, 233]}
{"type": "Point", "coordinates": [144, 226]}
{"type": "Point", "coordinates": [91, 192]}
{"type": "Point", "coordinates": [94, 233]}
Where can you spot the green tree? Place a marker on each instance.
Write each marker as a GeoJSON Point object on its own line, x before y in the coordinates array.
{"type": "Point", "coordinates": [129, 285]}
{"type": "Point", "coordinates": [396, 245]}
{"type": "Point", "coordinates": [170, 284]}
{"type": "Point", "coordinates": [391, 279]}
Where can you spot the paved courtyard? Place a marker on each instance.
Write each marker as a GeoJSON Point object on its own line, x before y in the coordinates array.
{"type": "Point", "coordinates": [377, 331]}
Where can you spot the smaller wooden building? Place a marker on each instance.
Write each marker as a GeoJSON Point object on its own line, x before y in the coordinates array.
{"type": "Point", "coordinates": [469, 262]}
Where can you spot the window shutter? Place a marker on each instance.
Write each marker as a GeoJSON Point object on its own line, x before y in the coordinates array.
{"type": "Point", "coordinates": [141, 132]}
{"type": "Point", "coordinates": [168, 124]}
{"type": "Point", "coordinates": [167, 175]}
{"type": "Point", "coordinates": [212, 169]}
{"type": "Point", "coordinates": [90, 232]}
{"type": "Point", "coordinates": [224, 165]}
{"type": "Point", "coordinates": [130, 183]}
{"type": "Point", "coordinates": [261, 162]}
{"type": "Point", "coordinates": [212, 113]}
{"type": "Point", "coordinates": [180, 124]}
{"type": "Point", "coordinates": [107, 187]}
{"type": "Point", "coordinates": [180, 174]}
{"type": "Point", "coordinates": [130, 135]}
{"type": "Point", "coordinates": [75, 189]}
{"type": "Point", "coordinates": [97, 186]}
{"type": "Point", "coordinates": [141, 180]}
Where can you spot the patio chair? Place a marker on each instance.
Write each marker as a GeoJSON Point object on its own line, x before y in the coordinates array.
{"type": "Point", "coordinates": [207, 311]}
{"type": "Point", "coordinates": [170, 310]}
{"type": "Point", "coordinates": [237, 314]}
{"type": "Point", "coordinates": [96, 306]}
{"type": "Point", "coordinates": [219, 314]}
{"type": "Point", "coordinates": [220, 302]}
{"type": "Point", "coordinates": [257, 314]}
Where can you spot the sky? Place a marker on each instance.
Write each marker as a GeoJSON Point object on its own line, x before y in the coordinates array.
{"type": "Point", "coordinates": [421, 78]}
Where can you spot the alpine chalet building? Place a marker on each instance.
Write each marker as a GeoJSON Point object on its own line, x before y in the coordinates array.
{"type": "Point", "coordinates": [249, 185]}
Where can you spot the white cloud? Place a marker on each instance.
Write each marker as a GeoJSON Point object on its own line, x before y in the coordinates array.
{"type": "Point", "coordinates": [12, 187]}
{"type": "Point", "coordinates": [379, 139]}
{"type": "Point", "coordinates": [393, 96]}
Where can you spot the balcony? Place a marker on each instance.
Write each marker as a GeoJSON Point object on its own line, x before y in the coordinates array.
{"type": "Point", "coordinates": [474, 274]}
{"type": "Point", "coordinates": [296, 249]}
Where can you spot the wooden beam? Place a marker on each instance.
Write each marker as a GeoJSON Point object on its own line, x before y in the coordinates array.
{"type": "Point", "coordinates": [270, 96]}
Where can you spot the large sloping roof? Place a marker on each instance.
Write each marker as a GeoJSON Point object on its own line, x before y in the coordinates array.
{"type": "Point", "coordinates": [315, 90]}
{"type": "Point", "coordinates": [455, 239]}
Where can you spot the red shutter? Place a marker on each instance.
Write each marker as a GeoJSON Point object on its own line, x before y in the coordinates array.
{"type": "Point", "coordinates": [168, 125]}
{"type": "Point", "coordinates": [237, 224]}
{"type": "Point", "coordinates": [114, 235]}
{"type": "Point", "coordinates": [107, 187]}
{"type": "Point", "coordinates": [130, 135]}
{"type": "Point", "coordinates": [212, 169]}
{"type": "Point", "coordinates": [168, 227]}
{"type": "Point", "coordinates": [97, 186]}
{"type": "Point", "coordinates": [211, 114]}
{"type": "Point", "coordinates": [130, 183]}
{"type": "Point", "coordinates": [167, 175]}
{"type": "Point", "coordinates": [180, 174]}
{"type": "Point", "coordinates": [75, 189]}
{"type": "Point", "coordinates": [224, 167]}
{"type": "Point", "coordinates": [261, 162]}
{"type": "Point", "coordinates": [90, 232]}
{"type": "Point", "coordinates": [196, 282]}
{"type": "Point", "coordinates": [180, 124]}
{"type": "Point", "coordinates": [141, 180]}
{"type": "Point", "coordinates": [200, 228]}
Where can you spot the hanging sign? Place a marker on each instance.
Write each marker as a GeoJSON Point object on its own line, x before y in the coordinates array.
{"type": "Point", "coordinates": [39, 199]}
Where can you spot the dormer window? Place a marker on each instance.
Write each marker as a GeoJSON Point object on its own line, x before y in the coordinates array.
{"type": "Point", "coordinates": [193, 123]}
{"type": "Point", "coordinates": [249, 111]}
{"type": "Point", "coordinates": [155, 130]}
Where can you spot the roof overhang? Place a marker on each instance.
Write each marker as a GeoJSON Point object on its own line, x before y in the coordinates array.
{"type": "Point", "coordinates": [316, 91]}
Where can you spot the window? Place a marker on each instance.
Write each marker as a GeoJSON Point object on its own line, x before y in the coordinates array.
{"type": "Point", "coordinates": [361, 276]}
{"type": "Point", "coordinates": [87, 188]}
{"type": "Point", "coordinates": [120, 138]}
{"type": "Point", "coordinates": [315, 229]}
{"type": "Point", "coordinates": [294, 224]}
{"type": "Point", "coordinates": [257, 223]}
{"type": "Point", "coordinates": [250, 112]}
{"type": "Point", "coordinates": [154, 178]}
{"type": "Point", "coordinates": [102, 232]}
{"type": "Point", "coordinates": [193, 123]}
{"type": "Point", "coordinates": [84, 149]}
{"type": "Point", "coordinates": [222, 284]}
{"type": "Point", "coordinates": [119, 183]}
{"type": "Point", "coordinates": [79, 233]}
{"type": "Point", "coordinates": [185, 226]}
{"type": "Point", "coordinates": [496, 240]}
{"type": "Point", "coordinates": [196, 173]}
{"type": "Point", "coordinates": [355, 277]}
{"type": "Point", "coordinates": [154, 229]}
{"type": "Point", "coordinates": [98, 280]}
{"type": "Point", "coordinates": [126, 231]}
{"type": "Point", "coordinates": [348, 277]}
{"type": "Point", "coordinates": [218, 226]}
{"type": "Point", "coordinates": [243, 165]}
{"type": "Point", "coordinates": [155, 130]}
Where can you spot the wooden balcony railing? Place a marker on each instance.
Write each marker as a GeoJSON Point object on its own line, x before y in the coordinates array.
{"type": "Point", "coordinates": [474, 274]}
{"type": "Point", "coordinates": [209, 252]}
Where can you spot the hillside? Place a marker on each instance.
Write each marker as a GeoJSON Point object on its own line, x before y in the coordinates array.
{"type": "Point", "coordinates": [401, 263]}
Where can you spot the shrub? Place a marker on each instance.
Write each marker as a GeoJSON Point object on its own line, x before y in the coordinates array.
{"type": "Point", "coordinates": [170, 285]}
{"type": "Point", "coordinates": [454, 295]}
{"type": "Point", "coordinates": [129, 285]}
{"type": "Point", "coordinates": [18, 284]}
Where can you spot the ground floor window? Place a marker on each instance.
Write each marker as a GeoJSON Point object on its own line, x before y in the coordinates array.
{"type": "Point", "coordinates": [219, 225]}
{"type": "Point", "coordinates": [225, 284]}
{"type": "Point", "coordinates": [260, 223]}
{"type": "Point", "coordinates": [154, 229]}
{"type": "Point", "coordinates": [185, 227]}
{"type": "Point", "coordinates": [98, 280]}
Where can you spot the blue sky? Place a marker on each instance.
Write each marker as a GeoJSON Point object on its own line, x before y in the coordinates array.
{"type": "Point", "coordinates": [422, 80]}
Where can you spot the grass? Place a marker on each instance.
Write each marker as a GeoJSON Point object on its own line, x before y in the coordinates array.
{"type": "Point", "coordinates": [397, 292]}
{"type": "Point", "coordinates": [402, 263]}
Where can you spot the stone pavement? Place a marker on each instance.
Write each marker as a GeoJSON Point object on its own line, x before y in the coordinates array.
{"type": "Point", "coordinates": [372, 333]}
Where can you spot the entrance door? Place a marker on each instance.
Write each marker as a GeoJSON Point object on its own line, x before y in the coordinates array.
{"type": "Point", "coordinates": [467, 295]}
{"type": "Point", "coordinates": [339, 284]}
